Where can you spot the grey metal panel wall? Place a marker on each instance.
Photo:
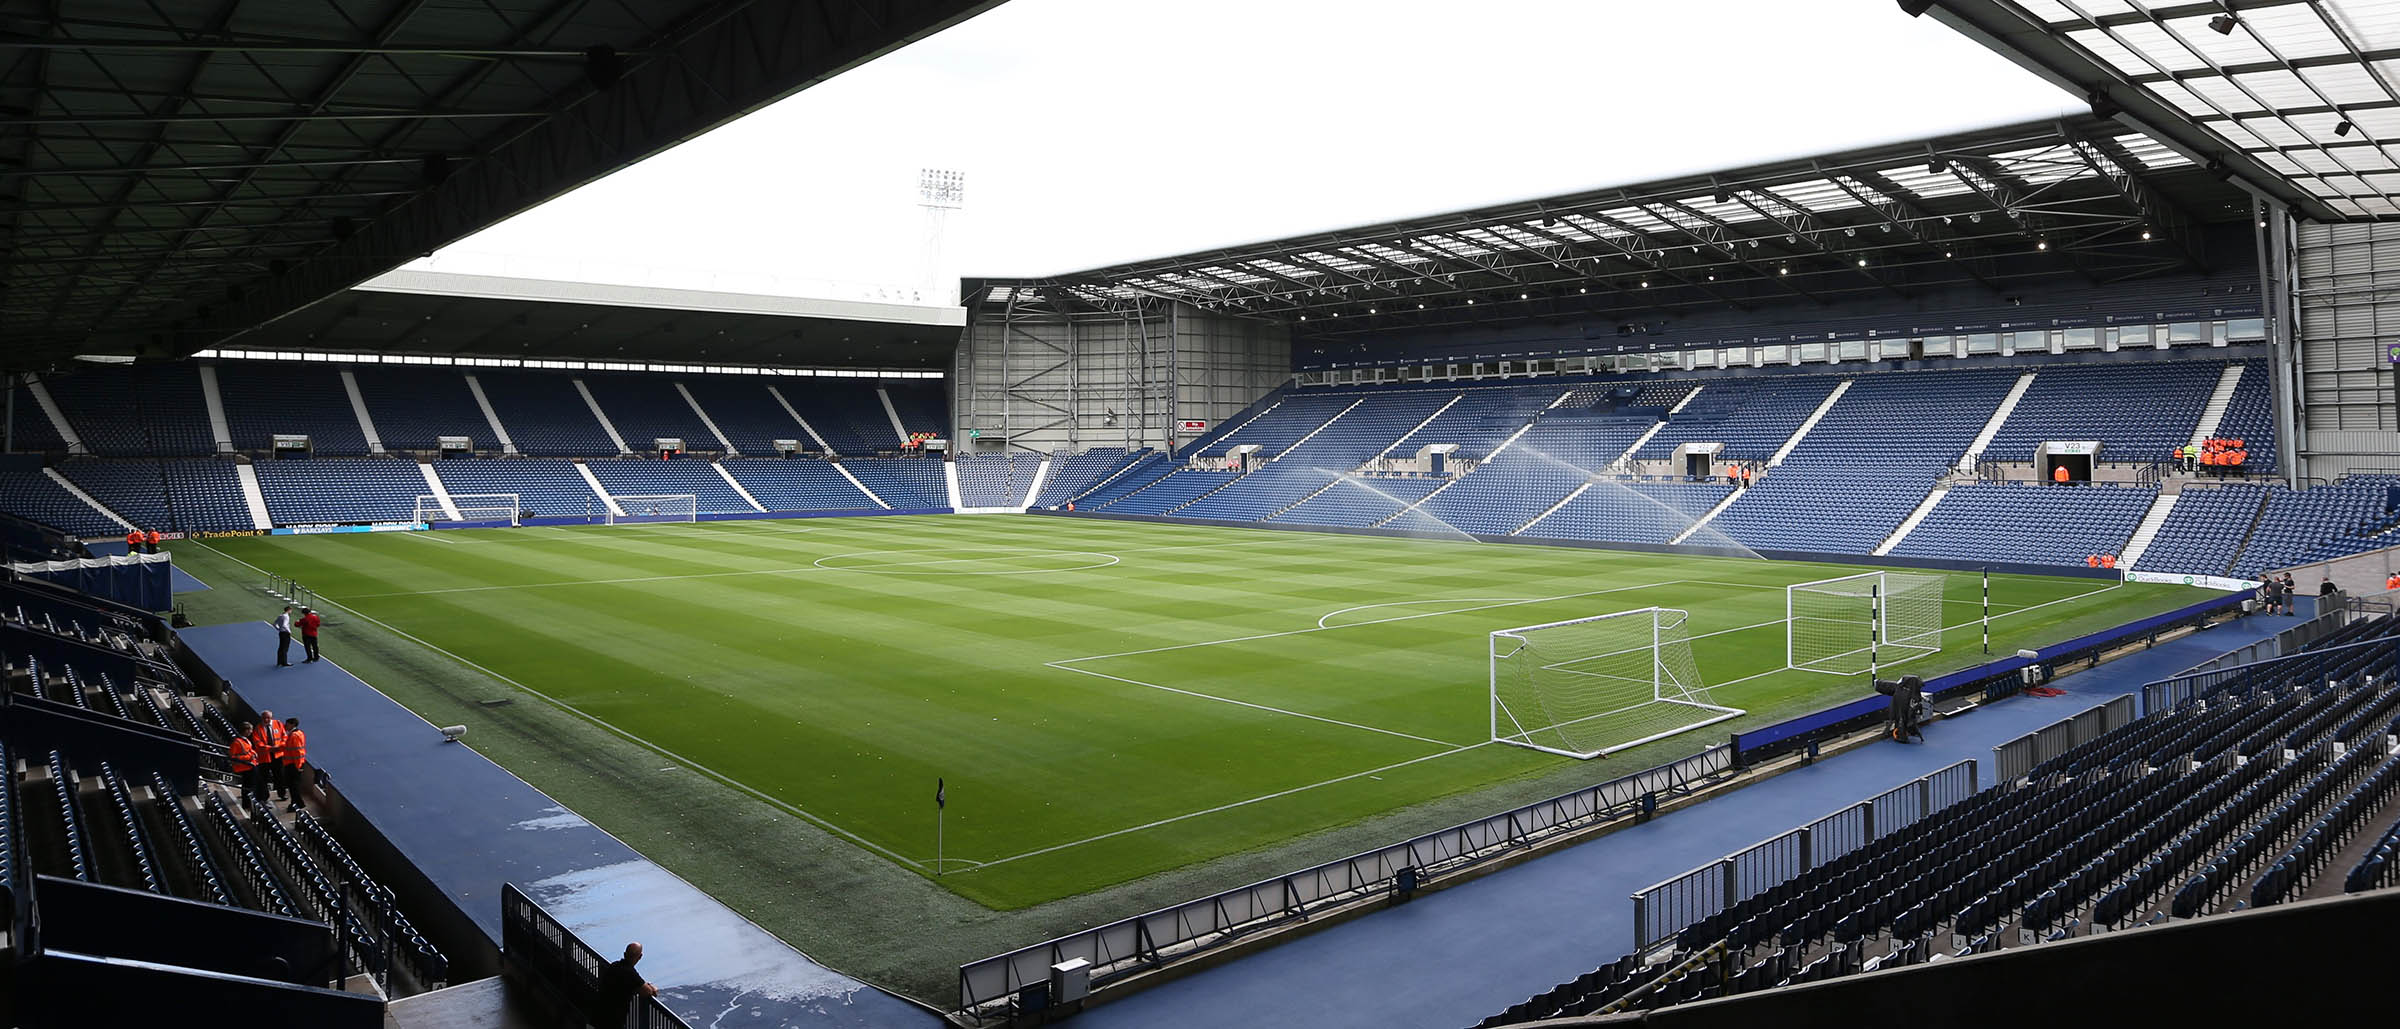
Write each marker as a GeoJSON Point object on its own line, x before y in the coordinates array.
{"type": "Point", "coordinates": [2349, 315]}
{"type": "Point", "coordinates": [1223, 365]}
{"type": "Point", "coordinates": [1046, 381]}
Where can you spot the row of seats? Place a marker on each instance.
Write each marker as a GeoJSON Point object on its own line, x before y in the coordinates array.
{"type": "Point", "coordinates": [159, 411]}
{"type": "Point", "coordinates": [2028, 523]}
{"type": "Point", "coordinates": [2250, 787]}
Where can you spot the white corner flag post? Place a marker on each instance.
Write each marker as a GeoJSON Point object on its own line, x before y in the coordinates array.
{"type": "Point", "coordinates": [940, 809]}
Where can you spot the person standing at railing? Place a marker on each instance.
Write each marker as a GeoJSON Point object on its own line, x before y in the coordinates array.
{"type": "Point", "coordinates": [619, 984]}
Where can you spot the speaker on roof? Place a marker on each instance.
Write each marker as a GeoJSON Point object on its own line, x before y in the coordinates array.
{"type": "Point", "coordinates": [1913, 8]}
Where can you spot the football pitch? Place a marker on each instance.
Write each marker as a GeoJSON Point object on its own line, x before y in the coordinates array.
{"type": "Point", "coordinates": [1104, 700]}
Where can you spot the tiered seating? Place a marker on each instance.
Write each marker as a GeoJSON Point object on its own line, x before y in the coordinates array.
{"type": "Point", "coordinates": [265, 398]}
{"type": "Point", "coordinates": [1358, 501]}
{"type": "Point", "coordinates": [1626, 511]}
{"type": "Point", "coordinates": [2204, 530]}
{"type": "Point", "coordinates": [2299, 522]}
{"type": "Point", "coordinates": [2029, 523]}
{"type": "Point", "coordinates": [922, 404]}
{"type": "Point", "coordinates": [1147, 468]}
{"type": "Point", "coordinates": [634, 476]}
{"type": "Point", "coordinates": [335, 490]}
{"type": "Point", "coordinates": [844, 411]}
{"type": "Point", "coordinates": [796, 485]}
{"type": "Point", "coordinates": [647, 408]}
{"type": "Point", "coordinates": [2162, 811]}
{"type": "Point", "coordinates": [1282, 425]}
{"type": "Point", "coordinates": [747, 413]}
{"type": "Point", "coordinates": [1357, 431]}
{"type": "Point", "coordinates": [2138, 412]}
{"type": "Point", "coordinates": [34, 495]}
{"type": "Point", "coordinates": [206, 492]}
{"type": "Point", "coordinates": [996, 480]}
{"type": "Point", "coordinates": [545, 488]}
{"type": "Point", "coordinates": [1751, 416]}
{"type": "Point", "coordinates": [903, 482]}
{"type": "Point", "coordinates": [544, 414]}
{"type": "Point", "coordinates": [1072, 474]}
{"type": "Point", "coordinates": [31, 427]}
{"type": "Point", "coordinates": [2250, 417]}
{"type": "Point", "coordinates": [135, 410]}
{"type": "Point", "coordinates": [1867, 463]}
{"type": "Point", "coordinates": [1165, 495]}
{"type": "Point", "coordinates": [1480, 420]}
{"type": "Point", "coordinates": [414, 407]}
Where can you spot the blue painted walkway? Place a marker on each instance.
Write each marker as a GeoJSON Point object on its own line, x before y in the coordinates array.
{"type": "Point", "coordinates": [1453, 957]}
{"type": "Point", "coordinates": [472, 826]}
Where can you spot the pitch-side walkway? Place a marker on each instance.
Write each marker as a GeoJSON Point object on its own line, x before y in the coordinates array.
{"type": "Point", "coordinates": [472, 826]}
{"type": "Point", "coordinates": [1452, 957]}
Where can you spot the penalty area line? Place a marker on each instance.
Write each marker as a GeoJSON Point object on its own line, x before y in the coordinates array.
{"type": "Point", "coordinates": [571, 709]}
{"type": "Point", "coordinates": [1459, 749]}
{"type": "Point", "coordinates": [1244, 703]}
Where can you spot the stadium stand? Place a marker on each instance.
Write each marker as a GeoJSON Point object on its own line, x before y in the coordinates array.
{"type": "Point", "coordinates": [2028, 523]}
{"type": "Point", "coordinates": [2250, 416]}
{"type": "Point", "coordinates": [545, 487]}
{"type": "Point", "coordinates": [647, 408]}
{"type": "Point", "coordinates": [2231, 800]}
{"type": "Point", "coordinates": [922, 404]}
{"type": "Point", "coordinates": [266, 398]}
{"type": "Point", "coordinates": [138, 410]}
{"type": "Point", "coordinates": [1365, 426]}
{"type": "Point", "coordinates": [903, 482]}
{"type": "Point", "coordinates": [336, 490]}
{"type": "Point", "coordinates": [2138, 413]}
{"type": "Point", "coordinates": [1359, 501]}
{"type": "Point", "coordinates": [1072, 475]}
{"type": "Point", "coordinates": [1481, 419]}
{"type": "Point", "coordinates": [414, 407]}
{"type": "Point", "coordinates": [1752, 417]}
{"type": "Point", "coordinates": [1848, 463]}
{"type": "Point", "coordinates": [30, 494]}
{"type": "Point", "coordinates": [2297, 524]}
{"type": "Point", "coordinates": [185, 494]}
{"type": "Point", "coordinates": [747, 414]}
{"type": "Point", "coordinates": [799, 485]}
{"type": "Point", "coordinates": [634, 476]}
{"type": "Point", "coordinates": [1630, 512]}
{"type": "Point", "coordinates": [30, 429]}
{"type": "Point", "coordinates": [544, 414]}
{"type": "Point", "coordinates": [2205, 530]}
{"type": "Point", "coordinates": [845, 412]}
{"type": "Point", "coordinates": [1168, 494]}
{"type": "Point", "coordinates": [1147, 467]}
{"type": "Point", "coordinates": [996, 480]}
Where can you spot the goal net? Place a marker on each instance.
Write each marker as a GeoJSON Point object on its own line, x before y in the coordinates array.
{"type": "Point", "coordinates": [1859, 623]}
{"type": "Point", "coordinates": [468, 507]}
{"type": "Point", "coordinates": [1592, 686]}
{"type": "Point", "coordinates": [655, 507]}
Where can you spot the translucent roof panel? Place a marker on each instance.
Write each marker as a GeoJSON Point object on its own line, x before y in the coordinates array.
{"type": "Point", "coordinates": [2304, 89]}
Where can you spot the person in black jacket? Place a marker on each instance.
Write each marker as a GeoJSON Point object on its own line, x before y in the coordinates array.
{"type": "Point", "coordinates": [1906, 692]}
{"type": "Point", "coordinates": [619, 982]}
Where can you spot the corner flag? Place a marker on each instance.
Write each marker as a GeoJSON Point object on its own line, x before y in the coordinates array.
{"type": "Point", "coordinates": [937, 792]}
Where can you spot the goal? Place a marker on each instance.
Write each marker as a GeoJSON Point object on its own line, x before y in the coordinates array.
{"type": "Point", "coordinates": [1860, 623]}
{"type": "Point", "coordinates": [655, 507]}
{"type": "Point", "coordinates": [1592, 686]}
{"type": "Point", "coordinates": [469, 507]}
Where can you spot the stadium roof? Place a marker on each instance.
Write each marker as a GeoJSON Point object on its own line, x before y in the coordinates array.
{"type": "Point", "coordinates": [2299, 99]}
{"type": "Point", "coordinates": [175, 175]}
{"type": "Point", "coordinates": [1988, 207]}
{"type": "Point", "coordinates": [451, 315]}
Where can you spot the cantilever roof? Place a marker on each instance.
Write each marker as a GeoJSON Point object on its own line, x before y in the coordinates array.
{"type": "Point", "coordinates": [2299, 98]}
{"type": "Point", "coordinates": [1986, 207]}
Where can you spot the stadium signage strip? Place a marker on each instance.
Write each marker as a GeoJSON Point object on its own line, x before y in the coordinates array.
{"type": "Point", "coordinates": [322, 530]}
{"type": "Point", "coordinates": [2214, 582]}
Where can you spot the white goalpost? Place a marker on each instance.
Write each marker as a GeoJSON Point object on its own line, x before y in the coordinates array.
{"type": "Point", "coordinates": [1861, 623]}
{"type": "Point", "coordinates": [1589, 687]}
{"type": "Point", "coordinates": [468, 507]}
{"type": "Point", "coordinates": [654, 507]}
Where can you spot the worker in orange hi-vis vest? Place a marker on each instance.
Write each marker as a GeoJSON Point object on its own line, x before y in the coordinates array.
{"type": "Point", "coordinates": [2058, 474]}
{"type": "Point", "coordinates": [2092, 560]}
{"type": "Point", "coordinates": [2108, 560]}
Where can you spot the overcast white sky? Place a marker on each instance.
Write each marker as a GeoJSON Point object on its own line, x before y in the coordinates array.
{"type": "Point", "coordinates": [1093, 132]}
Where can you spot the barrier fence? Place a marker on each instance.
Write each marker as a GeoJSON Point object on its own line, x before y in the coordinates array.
{"type": "Point", "coordinates": [2170, 693]}
{"type": "Point", "coordinates": [990, 987]}
{"type": "Point", "coordinates": [2299, 637]}
{"type": "Point", "coordinates": [1666, 908]}
{"type": "Point", "coordinates": [2017, 758]}
{"type": "Point", "coordinates": [560, 973]}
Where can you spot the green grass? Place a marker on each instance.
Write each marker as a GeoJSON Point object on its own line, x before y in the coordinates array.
{"type": "Point", "coordinates": [1106, 700]}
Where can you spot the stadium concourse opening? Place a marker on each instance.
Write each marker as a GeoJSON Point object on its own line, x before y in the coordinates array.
{"type": "Point", "coordinates": [881, 664]}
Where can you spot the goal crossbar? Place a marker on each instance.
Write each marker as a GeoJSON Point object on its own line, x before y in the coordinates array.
{"type": "Point", "coordinates": [1588, 687]}
{"type": "Point", "coordinates": [654, 507]}
{"type": "Point", "coordinates": [468, 507]}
